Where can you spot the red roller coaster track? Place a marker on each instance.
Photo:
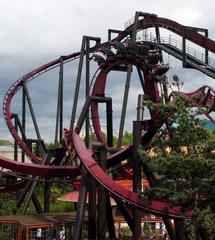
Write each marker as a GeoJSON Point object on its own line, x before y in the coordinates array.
{"type": "Point", "coordinates": [203, 97]}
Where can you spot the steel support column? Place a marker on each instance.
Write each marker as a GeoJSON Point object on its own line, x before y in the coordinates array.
{"type": "Point", "coordinates": [85, 109]}
{"type": "Point", "coordinates": [21, 197]}
{"type": "Point", "coordinates": [206, 50]}
{"type": "Point", "coordinates": [104, 216]}
{"type": "Point", "coordinates": [87, 89]}
{"type": "Point", "coordinates": [109, 113]}
{"type": "Point", "coordinates": [59, 113]}
{"type": "Point", "coordinates": [157, 32]}
{"type": "Point", "coordinates": [47, 196]}
{"type": "Point", "coordinates": [36, 203]}
{"type": "Point", "coordinates": [23, 119]}
{"type": "Point", "coordinates": [124, 106]}
{"type": "Point", "coordinates": [184, 51]}
{"type": "Point", "coordinates": [15, 142]}
{"type": "Point", "coordinates": [110, 220]}
{"type": "Point", "coordinates": [61, 98]}
{"type": "Point", "coordinates": [92, 209]}
{"type": "Point", "coordinates": [127, 86]}
{"type": "Point", "coordinates": [100, 157]}
{"type": "Point", "coordinates": [21, 130]}
{"type": "Point", "coordinates": [31, 189]}
{"type": "Point", "coordinates": [141, 78]}
{"type": "Point", "coordinates": [78, 81]}
{"type": "Point", "coordinates": [140, 107]}
{"type": "Point", "coordinates": [85, 49]}
{"type": "Point", "coordinates": [125, 212]}
{"type": "Point", "coordinates": [137, 179]}
{"type": "Point", "coordinates": [79, 218]}
{"type": "Point", "coordinates": [33, 118]}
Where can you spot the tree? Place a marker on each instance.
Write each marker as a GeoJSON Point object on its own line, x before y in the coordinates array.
{"type": "Point", "coordinates": [184, 160]}
{"type": "Point", "coordinates": [4, 142]}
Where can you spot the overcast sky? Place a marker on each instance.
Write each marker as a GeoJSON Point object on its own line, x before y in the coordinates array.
{"type": "Point", "coordinates": [33, 33]}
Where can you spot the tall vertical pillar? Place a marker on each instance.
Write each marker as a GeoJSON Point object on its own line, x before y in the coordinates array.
{"type": "Point", "coordinates": [137, 177]}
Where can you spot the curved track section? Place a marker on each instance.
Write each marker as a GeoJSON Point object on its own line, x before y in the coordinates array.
{"type": "Point", "coordinates": [203, 97]}
{"type": "Point", "coordinates": [184, 31]}
{"type": "Point", "coordinates": [147, 22]}
{"type": "Point", "coordinates": [8, 115]}
{"type": "Point", "coordinates": [150, 87]}
{"type": "Point", "coordinates": [39, 169]}
{"type": "Point", "coordinates": [154, 207]}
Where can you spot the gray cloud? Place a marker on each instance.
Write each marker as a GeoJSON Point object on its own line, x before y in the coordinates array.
{"type": "Point", "coordinates": [35, 32]}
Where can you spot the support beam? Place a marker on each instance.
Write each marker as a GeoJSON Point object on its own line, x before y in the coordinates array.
{"type": "Point", "coordinates": [100, 156]}
{"type": "Point", "coordinates": [86, 106]}
{"type": "Point", "coordinates": [21, 197]}
{"type": "Point", "coordinates": [47, 196]}
{"type": "Point", "coordinates": [30, 190]}
{"type": "Point", "coordinates": [127, 86]}
{"type": "Point", "coordinates": [206, 50]}
{"type": "Point", "coordinates": [125, 212]}
{"type": "Point", "coordinates": [157, 32]}
{"type": "Point", "coordinates": [137, 178]}
{"type": "Point", "coordinates": [36, 203]}
{"type": "Point", "coordinates": [84, 46]}
{"type": "Point", "coordinates": [29, 196]}
{"type": "Point", "coordinates": [101, 218]}
{"type": "Point", "coordinates": [78, 82]}
{"type": "Point", "coordinates": [136, 164]}
{"type": "Point", "coordinates": [141, 78]}
{"type": "Point", "coordinates": [112, 31]}
{"type": "Point", "coordinates": [140, 107]}
{"type": "Point", "coordinates": [59, 113]}
{"type": "Point", "coordinates": [184, 51]}
{"type": "Point", "coordinates": [21, 130]}
{"type": "Point", "coordinates": [124, 107]}
{"type": "Point", "coordinates": [15, 142]}
{"type": "Point", "coordinates": [33, 118]}
{"type": "Point", "coordinates": [92, 209]}
{"type": "Point", "coordinates": [79, 218]}
{"type": "Point", "coordinates": [110, 220]}
{"type": "Point", "coordinates": [23, 119]}
{"type": "Point", "coordinates": [87, 92]}
{"type": "Point", "coordinates": [109, 123]}
{"type": "Point", "coordinates": [61, 98]}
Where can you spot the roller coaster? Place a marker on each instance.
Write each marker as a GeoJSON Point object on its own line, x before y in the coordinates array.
{"type": "Point", "coordinates": [97, 164]}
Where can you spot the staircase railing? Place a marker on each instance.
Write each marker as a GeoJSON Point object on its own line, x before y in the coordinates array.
{"type": "Point", "coordinates": [174, 43]}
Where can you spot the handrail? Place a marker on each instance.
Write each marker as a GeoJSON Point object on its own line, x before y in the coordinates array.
{"type": "Point", "coordinates": [199, 56]}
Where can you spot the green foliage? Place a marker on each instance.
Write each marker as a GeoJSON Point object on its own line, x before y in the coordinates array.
{"type": "Point", "coordinates": [126, 232]}
{"type": "Point", "coordinates": [8, 200]}
{"type": "Point", "coordinates": [4, 142]}
{"type": "Point", "coordinates": [58, 206]}
{"type": "Point", "coordinates": [177, 82]}
{"type": "Point", "coordinates": [162, 79]}
{"type": "Point", "coordinates": [186, 170]}
{"type": "Point", "coordinates": [7, 204]}
{"type": "Point", "coordinates": [51, 146]}
{"type": "Point", "coordinates": [186, 177]}
{"type": "Point", "coordinates": [182, 127]}
{"type": "Point", "coordinates": [126, 139]}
